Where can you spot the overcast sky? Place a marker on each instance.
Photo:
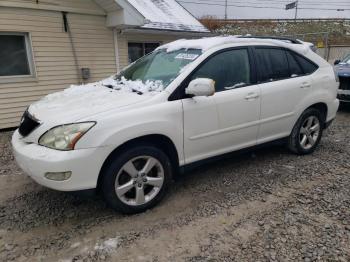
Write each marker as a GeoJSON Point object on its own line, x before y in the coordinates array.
{"type": "Point", "coordinates": [238, 9]}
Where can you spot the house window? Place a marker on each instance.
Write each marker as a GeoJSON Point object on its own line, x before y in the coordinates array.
{"type": "Point", "coordinates": [138, 50]}
{"type": "Point", "coordinates": [15, 56]}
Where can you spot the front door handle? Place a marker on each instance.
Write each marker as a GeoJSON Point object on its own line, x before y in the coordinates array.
{"type": "Point", "coordinates": [252, 96]}
{"type": "Point", "coordinates": [305, 85]}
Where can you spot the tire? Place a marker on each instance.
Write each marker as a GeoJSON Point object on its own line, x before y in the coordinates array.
{"type": "Point", "coordinates": [142, 168]}
{"type": "Point", "coordinates": [303, 130]}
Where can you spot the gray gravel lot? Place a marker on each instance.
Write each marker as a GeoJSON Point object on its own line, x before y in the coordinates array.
{"type": "Point", "coordinates": [266, 205]}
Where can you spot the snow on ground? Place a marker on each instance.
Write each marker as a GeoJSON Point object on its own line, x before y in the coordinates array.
{"type": "Point", "coordinates": [108, 245]}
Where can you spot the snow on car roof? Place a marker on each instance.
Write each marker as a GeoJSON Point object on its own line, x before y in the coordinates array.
{"type": "Point", "coordinates": [207, 43]}
{"type": "Point", "coordinates": [167, 15]}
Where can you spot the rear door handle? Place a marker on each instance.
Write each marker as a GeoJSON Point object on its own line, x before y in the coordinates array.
{"type": "Point", "coordinates": [305, 85]}
{"type": "Point", "coordinates": [252, 96]}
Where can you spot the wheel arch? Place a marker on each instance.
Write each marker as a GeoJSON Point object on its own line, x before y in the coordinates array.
{"type": "Point", "coordinates": [161, 141]}
{"type": "Point", "coordinates": [322, 107]}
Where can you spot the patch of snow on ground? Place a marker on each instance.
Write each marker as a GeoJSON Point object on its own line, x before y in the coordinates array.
{"type": "Point", "coordinates": [108, 245]}
{"type": "Point", "coordinates": [75, 245]}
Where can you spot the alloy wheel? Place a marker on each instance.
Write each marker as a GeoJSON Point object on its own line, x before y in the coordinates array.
{"type": "Point", "coordinates": [309, 132]}
{"type": "Point", "coordinates": [139, 180]}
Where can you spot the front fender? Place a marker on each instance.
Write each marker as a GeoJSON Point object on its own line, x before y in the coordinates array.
{"type": "Point", "coordinates": [161, 119]}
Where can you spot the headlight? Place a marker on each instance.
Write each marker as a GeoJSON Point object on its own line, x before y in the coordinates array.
{"type": "Point", "coordinates": [66, 136]}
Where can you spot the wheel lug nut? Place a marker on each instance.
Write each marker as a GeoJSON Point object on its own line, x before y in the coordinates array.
{"type": "Point", "coordinates": [144, 180]}
{"type": "Point", "coordinates": [140, 185]}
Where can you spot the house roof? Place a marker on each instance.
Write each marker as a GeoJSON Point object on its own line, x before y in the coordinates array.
{"type": "Point", "coordinates": [167, 15]}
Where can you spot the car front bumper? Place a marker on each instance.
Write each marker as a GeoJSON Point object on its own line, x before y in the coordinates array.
{"type": "Point", "coordinates": [344, 88]}
{"type": "Point", "coordinates": [344, 95]}
{"type": "Point", "coordinates": [36, 161]}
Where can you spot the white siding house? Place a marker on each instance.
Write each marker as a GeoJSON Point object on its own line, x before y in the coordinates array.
{"type": "Point", "coordinates": [47, 45]}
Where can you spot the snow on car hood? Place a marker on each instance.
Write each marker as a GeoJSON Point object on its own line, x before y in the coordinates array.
{"type": "Point", "coordinates": [78, 102]}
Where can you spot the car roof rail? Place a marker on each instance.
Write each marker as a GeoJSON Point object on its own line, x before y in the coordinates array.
{"type": "Point", "coordinates": [291, 40]}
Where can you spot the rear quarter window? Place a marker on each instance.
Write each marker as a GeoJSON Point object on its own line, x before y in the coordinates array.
{"type": "Point", "coordinates": [294, 67]}
{"type": "Point", "coordinates": [307, 66]}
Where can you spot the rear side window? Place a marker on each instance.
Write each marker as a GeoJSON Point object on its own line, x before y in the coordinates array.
{"type": "Point", "coordinates": [307, 66]}
{"type": "Point", "coordinates": [272, 64]}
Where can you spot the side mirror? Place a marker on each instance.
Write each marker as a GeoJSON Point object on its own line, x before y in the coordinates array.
{"type": "Point", "coordinates": [201, 87]}
{"type": "Point", "coordinates": [337, 62]}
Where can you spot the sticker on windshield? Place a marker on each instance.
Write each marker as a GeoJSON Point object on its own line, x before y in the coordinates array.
{"type": "Point", "coordinates": [186, 56]}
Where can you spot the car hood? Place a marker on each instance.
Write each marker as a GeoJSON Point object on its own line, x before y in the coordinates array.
{"type": "Point", "coordinates": [343, 69]}
{"type": "Point", "coordinates": [81, 102]}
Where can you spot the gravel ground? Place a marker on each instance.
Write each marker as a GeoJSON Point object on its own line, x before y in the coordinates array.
{"type": "Point", "coordinates": [266, 205]}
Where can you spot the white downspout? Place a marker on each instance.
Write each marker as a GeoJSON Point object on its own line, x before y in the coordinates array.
{"type": "Point", "coordinates": [116, 49]}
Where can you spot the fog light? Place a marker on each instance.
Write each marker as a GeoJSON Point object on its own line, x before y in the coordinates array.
{"type": "Point", "coordinates": [58, 176]}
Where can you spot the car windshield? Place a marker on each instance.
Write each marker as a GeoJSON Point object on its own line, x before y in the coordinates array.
{"type": "Point", "coordinates": [159, 66]}
{"type": "Point", "coordinates": [346, 60]}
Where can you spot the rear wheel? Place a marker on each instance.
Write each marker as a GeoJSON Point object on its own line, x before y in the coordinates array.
{"type": "Point", "coordinates": [137, 179]}
{"type": "Point", "coordinates": [307, 132]}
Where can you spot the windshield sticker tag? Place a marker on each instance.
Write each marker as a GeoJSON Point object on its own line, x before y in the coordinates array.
{"type": "Point", "coordinates": [186, 56]}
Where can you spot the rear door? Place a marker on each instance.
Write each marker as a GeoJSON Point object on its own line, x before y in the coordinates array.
{"type": "Point", "coordinates": [283, 84]}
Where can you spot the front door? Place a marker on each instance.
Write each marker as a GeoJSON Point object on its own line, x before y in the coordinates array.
{"type": "Point", "coordinates": [229, 119]}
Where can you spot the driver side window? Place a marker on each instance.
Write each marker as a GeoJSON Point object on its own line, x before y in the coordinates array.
{"type": "Point", "coordinates": [229, 69]}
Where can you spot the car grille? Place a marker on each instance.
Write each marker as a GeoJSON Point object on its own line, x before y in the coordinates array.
{"type": "Point", "coordinates": [28, 124]}
{"type": "Point", "coordinates": [344, 83]}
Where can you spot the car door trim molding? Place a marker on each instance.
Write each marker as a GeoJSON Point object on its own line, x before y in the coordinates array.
{"type": "Point", "coordinates": [242, 126]}
{"type": "Point", "coordinates": [225, 130]}
{"type": "Point", "coordinates": [270, 119]}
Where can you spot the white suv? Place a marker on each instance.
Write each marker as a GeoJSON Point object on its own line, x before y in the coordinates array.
{"type": "Point", "coordinates": [188, 101]}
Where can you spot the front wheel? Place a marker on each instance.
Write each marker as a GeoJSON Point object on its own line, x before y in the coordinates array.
{"type": "Point", "coordinates": [307, 132]}
{"type": "Point", "coordinates": [137, 179]}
